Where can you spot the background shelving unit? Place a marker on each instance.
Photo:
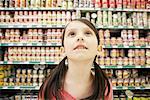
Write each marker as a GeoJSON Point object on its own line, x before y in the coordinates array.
{"type": "Point", "coordinates": [23, 24]}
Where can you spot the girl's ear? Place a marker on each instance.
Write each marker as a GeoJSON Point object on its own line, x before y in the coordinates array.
{"type": "Point", "coordinates": [62, 51]}
{"type": "Point", "coordinates": [99, 49]}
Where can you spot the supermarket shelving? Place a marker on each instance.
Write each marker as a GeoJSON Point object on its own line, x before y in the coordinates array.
{"type": "Point", "coordinates": [81, 9]}
{"type": "Point", "coordinates": [38, 87]}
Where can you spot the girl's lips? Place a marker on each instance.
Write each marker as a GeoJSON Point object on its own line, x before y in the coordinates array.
{"type": "Point", "coordinates": [80, 47]}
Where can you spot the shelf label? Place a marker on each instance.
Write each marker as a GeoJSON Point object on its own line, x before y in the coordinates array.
{"type": "Point", "coordinates": [29, 26]}
{"type": "Point", "coordinates": [19, 44]}
{"type": "Point", "coordinates": [39, 26]}
{"type": "Point", "coordinates": [16, 87]}
{"type": "Point", "coordinates": [20, 26]}
{"type": "Point", "coordinates": [147, 66]}
{"type": "Point", "coordinates": [10, 62]}
{"type": "Point", "coordinates": [119, 67]}
{"type": "Point", "coordinates": [25, 62]}
{"type": "Point", "coordinates": [137, 66]}
{"type": "Point", "coordinates": [29, 44]}
{"type": "Point", "coordinates": [42, 62]}
{"type": "Point", "coordinates": [5, 87]}
{"type": "Point", "coordinates": [137, 87]}
{"type": "Point", "coordinates": [10, 26]}
{"type": "Point", "coordinates": [1, 62]}
{"type": "Point", "coordinates": [125, 87]}
{"type": "Point", "coordinates": [10, 44]}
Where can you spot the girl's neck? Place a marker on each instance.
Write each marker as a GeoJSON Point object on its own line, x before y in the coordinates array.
{"type": "Point", "coordinates": [79, 72]}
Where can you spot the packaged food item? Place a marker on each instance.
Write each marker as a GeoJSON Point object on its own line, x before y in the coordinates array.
{"type": "Point", "coordinates": [107, 61]}
{"type": "Point", "coordinates": [113, 61]}
{"type": "Point", "coordinates": [115, 20]}
{"type": "Point", "coordinates": [125, 61]}
{"type": "Point", "coordinates": [131, 61]}
{"type": "Point", "coordinates": [131, 82]}
{"type": "Point", "coordinates": [134, 73]}
{"type": "Point", "coordinates": [131, 53]}
{"type": "Point", "coordinates": [136, 61]}
{"type": "Point", "coordinates": [114, 82]}
{"type": "Point", "coordinates": [126, 82]}
{"type": "Point", "coordinates": [104, 3]}
{"type": "Point", "coordinates": [105, 21]}
{"type": "Point", "coordinates": [143, 81]}
{"type": "Point", "coordinates": [124, 3]}
{"type": "Point", "coordinates": [113, 41]}
{"type": "Point", "coordinates": [120, 82]}
{"type": "Point", "coordinates": [126, 73]}
{"type": "Point", "coordinates": [119, 73]}
{"type": "Point", "coordinates": [113, 53]}
{"type": "Point", "coordinates": [137, 81]}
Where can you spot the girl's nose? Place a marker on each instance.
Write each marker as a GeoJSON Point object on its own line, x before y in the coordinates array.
{"type": "Point", "coordinates": [80, 39]}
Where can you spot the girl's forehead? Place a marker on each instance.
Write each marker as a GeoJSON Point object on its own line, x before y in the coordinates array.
{"type": "Point", "coordinates": [74, 25]}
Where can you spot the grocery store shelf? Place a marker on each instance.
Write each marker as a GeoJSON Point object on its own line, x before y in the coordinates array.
{"type": "Point", "coordinates": [55, 63]}
{"type": "Point", "coordinates": [32, 26]}
{"type": "Point", "coordinates": [113, 9]}
{"type": "Point", "coordinates": [63, 26]}
{"type": "Point", "coordinates": [38, 87]}
{"type": "Point", "coordinates": [28, 62]}
{"type": "Point", "coordinates": [122, 27]}
{"type": "Point", "coordinates": [122, 46]}
{"type": "Point", "coordinates": [30, 44]}
{"type": "Point", "coordinates": [128, 66]}
{"type": "Point", "coordinates": [40, 8]}
{"type": "Point", "coordinates": [69, 9]}
{"type": "Point", "coordinates": [20, 87]}
{"type": "Point", "coordinates": [130, 88]}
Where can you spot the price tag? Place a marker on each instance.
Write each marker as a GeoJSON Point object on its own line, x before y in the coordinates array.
{"type": "Point", "coordinates": [125, 87]}
{"type": "Point", "coordinates": [49, 26]}
{"type": "Point", "coordinates": [42, 62]}
{"type": "Point", "coordinates": [137, 87]}
{"type": "Point", "coordinates": [39, 44]}
{"type": "Point", "coordinates": [29, 44]}
{"type": "Point", "coordinates": [114, 46]}
{"type": "Point", "coordinates": [138, 46]}
{"type": "Point", "coordinates": [1, 62]}
{"type": "Point", "coordinates": [120, 26]}
{"type": "Point", "coordinates": [141, 27]}
{"type": "Point", "coordinates": [137, 66]}
{"type": "Point", "coordinates": [119, 67]}
{"type": "Point", "coordinates": [29, 26]}
{"type": "Point", "coordinates": [147, 66]}
{"type": "Point", "coordinates": [19, 44]}
{"type": "Point", "coordinates": [102, 66]}
{"type": "Point", "coordinates": [37, 87]}
{"type": "Point", "coordinates": [39, 26]}
{"type": "Point", "coordinates": [10, 44]}
{"type": "Point", "coordinates": [10, 62]}
{"type": "Point", "coordinates": [25, 62]}
{"type": "Point", "coordinates": [10, 26]}
{"type": "Point", "coordinates": [5, 87]}
{"type": "Point", "coordinates": [126, 46]}
{"type": "Point", "coordinates": [16, 87]}
{"type": "Point", "coordinates": [114, 88]}
{"type": "Point", "coordinates": [20, 26]}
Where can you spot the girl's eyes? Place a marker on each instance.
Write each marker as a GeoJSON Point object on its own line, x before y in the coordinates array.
{"type": "Point", "coordinates": [88, 33]}
{"type": "Point", "coordinates": [71, 34]}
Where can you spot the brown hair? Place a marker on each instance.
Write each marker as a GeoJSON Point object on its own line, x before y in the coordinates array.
{"type": "Point", "coordinates": [54, 83]}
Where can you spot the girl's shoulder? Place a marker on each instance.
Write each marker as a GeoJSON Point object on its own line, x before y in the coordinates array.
{"type": "Point", "coordinates": [110, 95]}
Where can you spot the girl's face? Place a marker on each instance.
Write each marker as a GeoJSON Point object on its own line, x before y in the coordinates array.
{"type": "Point", "coordinates": [80, 42]}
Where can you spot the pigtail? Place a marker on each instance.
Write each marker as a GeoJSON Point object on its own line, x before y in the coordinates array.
{"type": "Point", "coordinates": [101, 81]}
{"type": "Point", "coordinates": [53, 84]}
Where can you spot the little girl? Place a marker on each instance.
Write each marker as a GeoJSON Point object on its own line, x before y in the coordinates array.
{"type": "Point", "coordinates": [75, 80]}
